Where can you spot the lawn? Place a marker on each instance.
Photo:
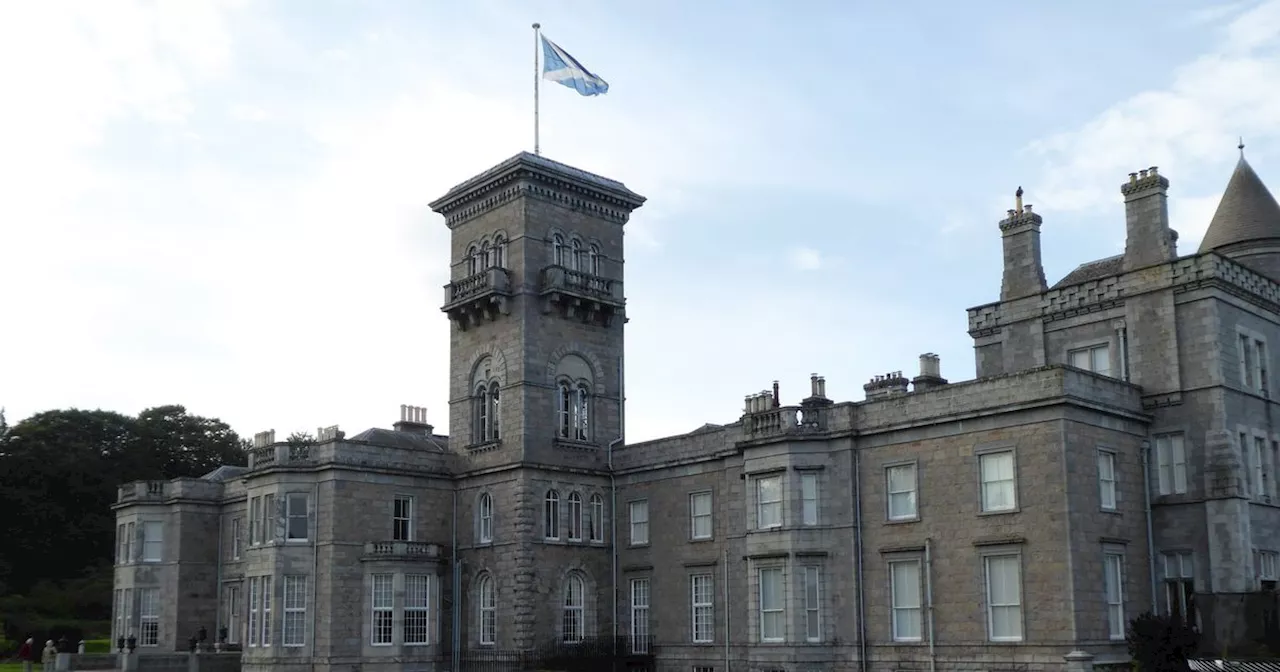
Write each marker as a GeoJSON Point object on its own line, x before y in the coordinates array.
{"type": "Point", "coordinates": [10, 667]}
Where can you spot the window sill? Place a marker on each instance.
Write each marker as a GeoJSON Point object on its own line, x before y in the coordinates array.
{"type": "Point", "coordinates": [644, 544]}
{"type": "Point", "coordinates": [902, 521]}
{"type": "Point", "coordinates": [701, 540]}
{"type": "Point", "coordinates": [484, 446]}
{"type": "Point", "coordinates": [1001, 512]}
{"type": "Point", "coordinates": [1113, 512]}
{"type": "Point", "coordinates": [574, 444]}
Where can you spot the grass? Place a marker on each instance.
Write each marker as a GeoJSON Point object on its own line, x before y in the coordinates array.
{"type": "Point", "coordinates": [10, 667]}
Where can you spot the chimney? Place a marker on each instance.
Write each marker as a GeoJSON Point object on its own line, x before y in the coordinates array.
{"type": "Point", "coordinates": [891, 384]}
{"type": "Point", "coordinates": [930, 373]}
{"type": "Point", "coordinates": [777, 399]}
{"type": "Point", "coordinates": [331, 433]}
{"type": "Point", "coordinates": [1148, 238]}
{"type": "Point", "coordinates": [817, 392]}
{"type": "Point", "coordinates": [1020, 237]}
{"type": "Point", "coordinates": [413, 419]}
{"type": "Point", "coordinates": [264, 439]}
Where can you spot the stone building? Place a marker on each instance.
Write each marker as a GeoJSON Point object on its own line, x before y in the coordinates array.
{"type": "Point", "coordinates": [1115, 454]}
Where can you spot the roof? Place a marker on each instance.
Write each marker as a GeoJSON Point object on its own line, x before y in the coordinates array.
{"type": "Point", "coordinates": [389, 438]}
{"type": "Point", "coordinates": [1246, 212]}
{"type": "Point", "coordinates": [545, 166]}
{"type": "Point", "coordinates": [224, 473]}
{"type": "Point", "coordinates": [1093, 270]}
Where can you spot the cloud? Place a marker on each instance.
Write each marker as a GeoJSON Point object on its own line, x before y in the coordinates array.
{"type": "Point", "coordinates": [1188, 128]}
{"type": "Point", "coordinates": [805, 258]}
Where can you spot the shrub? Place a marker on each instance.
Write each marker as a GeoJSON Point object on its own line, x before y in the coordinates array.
{"type": "Point", "coordinates": [1160, 643]}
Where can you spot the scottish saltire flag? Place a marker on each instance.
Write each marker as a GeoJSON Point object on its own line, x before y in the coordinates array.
{"type": "Point", "coordinates": [559, 66]}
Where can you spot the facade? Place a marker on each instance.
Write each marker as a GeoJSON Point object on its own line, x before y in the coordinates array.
{"type": "Point", "coordinates": [1115, 454]}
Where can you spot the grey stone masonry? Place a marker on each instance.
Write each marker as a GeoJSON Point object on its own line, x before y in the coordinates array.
{"type": "Point", "coordinates": [1112, 456]}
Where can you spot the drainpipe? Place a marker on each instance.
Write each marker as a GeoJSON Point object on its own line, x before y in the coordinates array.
{"type": "Point", "coordinates": [457, 588]}
{"type": "Point", "coordinates": [928, 596]}
{"type": "Point", "coordinates": [613, 502]}
{"type": "Point", "coordinates": [217, 618]}
{"type": "Point", "coordinates": [857, 554]}
{"type": "Point", "coordinates": [727, 610]}
{"type": "Point", "coordinates": [315, 567]}
{"type": "Point", "coordinates": [1151, 546]}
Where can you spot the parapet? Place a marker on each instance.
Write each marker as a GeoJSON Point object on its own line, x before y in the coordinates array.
{"type": "Point", "coordinates": [890, 384]}
{"type": "Point", "coordinates": [1144, 180]}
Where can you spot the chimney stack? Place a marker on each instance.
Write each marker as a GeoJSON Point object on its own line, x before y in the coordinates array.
{"type": "Point", "coordinates": [264, 439]}
{"type": "Point", "coordinates": [930, 373]}
{"type": "Point", "coordinates": [1148, 238]}
{"type": "Point", "coordinates": [413, 419]}
{"type": "Point", "coordinates": [892, 384]}
{"type": "Point", "coordinates": [817, 392]}
{"type": "Point", "coordinates": [1020, 237]}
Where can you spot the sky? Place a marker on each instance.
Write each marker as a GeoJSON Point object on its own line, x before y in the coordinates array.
{"type": "Point", "coordinates": [223, 203]}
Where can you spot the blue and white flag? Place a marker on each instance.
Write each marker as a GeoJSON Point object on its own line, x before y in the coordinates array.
{"type": "Point", "coordinates": [559, 66]}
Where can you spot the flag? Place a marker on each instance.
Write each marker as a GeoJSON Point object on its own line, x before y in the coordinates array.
{"type": "Point", "coordinates": [558, 66]}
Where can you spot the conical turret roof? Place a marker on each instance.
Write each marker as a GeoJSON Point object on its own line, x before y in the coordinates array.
{"type": "Point", "coordinates": [1247, 211]}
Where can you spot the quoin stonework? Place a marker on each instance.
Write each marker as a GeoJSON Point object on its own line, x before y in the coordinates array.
{"type": "Point", "coordinates": [1116, 453]}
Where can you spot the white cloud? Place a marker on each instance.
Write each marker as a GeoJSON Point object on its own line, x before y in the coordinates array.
{"type": "Point", "coordinates": [804, 258]}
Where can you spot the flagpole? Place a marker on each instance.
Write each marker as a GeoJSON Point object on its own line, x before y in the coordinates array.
{"type": "Point", "coordinates": [537, 149]}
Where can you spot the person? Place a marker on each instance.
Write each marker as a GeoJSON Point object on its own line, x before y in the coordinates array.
{"type": "Point", "coordinates": [49, 656]}
{"type": "Point", "coordinates": [27, 653]}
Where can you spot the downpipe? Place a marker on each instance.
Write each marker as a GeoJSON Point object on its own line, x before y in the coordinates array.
{"type": "Point", "coordinates": [857, 541]}
{"type": "Point", "coordinates": [1151, 546]}
{"type": "Point", "coordinates": [456, 635]}
{"type": "Point", "coordinates": [727, 609]}
{"type": "Point", "coordinates": [613, 497]}
{"type": "Point", "coordinates": [315, 566]}
{"type": "Point", "coordinates": [928, 596]}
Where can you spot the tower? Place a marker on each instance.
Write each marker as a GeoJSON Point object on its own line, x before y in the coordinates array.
{"type": "Point", "coordinates": [537, 312]}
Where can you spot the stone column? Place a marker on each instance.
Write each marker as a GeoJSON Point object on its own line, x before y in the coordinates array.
{"type": "Point", "coordinates": [1078, 661]}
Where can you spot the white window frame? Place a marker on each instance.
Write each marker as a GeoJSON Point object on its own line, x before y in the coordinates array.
{"type": "Point", "coordinates": [575, 516]}
{"type": "Point", "coordinates": [486, 518]}
{"type": "Point", "coordinates": [768, 511]}
{"type": "Point", "coordinates": [573, 620]}
{"type": "Point", "coordinates": [638, 518]}
{"type": "Point", "coordinates": [255, 521]}
{"type": "Point", "coordinates": [153, 541]}
{"type": "Point", "coordinates": [293, 627]}
{"type": "Point", "coordinates": [1260, 466]}
{"type": "Point", "coordinates": [402, 510]}
{"type": "Point", "coordinates": [122, 552]}
{"type": "Point", "coordinates": [902, 610]}
{"type": "Point", "coordinates": [772, 615]}
{"type": "Point", "coordinates": [1171, 464]}
{"type": "Point", "coordinates": [640, 601]}
{"type": "Point", "coordinates": [292, 502]}
{"type": "Point", "coordinates": [255, 591]}
{"type": "Point", "coordinates": [1107, 491]}
{"type": "Point", "coordinates": [809, 499]}
{"type": "Point", "coordinates": [1268, 566]}
{"type": "Point", "coordinates": [416, 626]}
{"type": "Point", "coordinates": [910, 509]}
{"type": "Point", "coordinates": [233, 613]}
{"type": "Point", "coordinates": [1178, 570]}
{"type": "Point", "coordinates": [551, 515]}
{"type": "Point", "coordinates": [1097, 357]}
{"type": "Point", "coordinates": [1254, 356]}
{"type": "Point", "coordinates": [237, 524]}
{"type": "Point", "coordinates": [702, 608]}
{"type": "Point", "coordinates": [700, 518]}
{"type": "Point", "coordinates": [812, 577]}
{"type": "Point", "coordinates": [1113, 589]}
{"type": "Point", "coordinates": [149, 617]}
{"type": "Point", "coordinates": [132, 545]}
{"type": "Point", "coordinates": [1004, 560]}
{"type": "Point", "coordinates": [487, 601]}
{"type": "Point", "coordinates": [269, 518]}
{"type": "Point", "coordinates": [268, 600]}
{"type": "Point", "coordinates": [597, 518]}
{"type": "Point", "coordinates": [990, 484]}
{"type": "Point", "coordinates": [382, 621]}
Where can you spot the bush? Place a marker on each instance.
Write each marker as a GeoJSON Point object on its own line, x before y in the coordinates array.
{"type": "Point", "coordinates": [1160, 643]}
{"type": "Point", "coordinates": [98, 646]}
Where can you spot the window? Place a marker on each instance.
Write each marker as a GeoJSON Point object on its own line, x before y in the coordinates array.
{"type": "Point", "coordinates": [597, 518]}
{"type": "Point", "coordinates": [130, 535]}
{"type": "Point", "coordinates": [808, 499]}
{"type": "Point", "coordinates": [486, 255]}
{"type": "Point", "coordinates": [702, 588]}
{"type": "Point", "coordinates": [254, 597]}
{"type": "Point", "coordinates": [294, 629]}
{"type": "Point", "coordinates": [486, 518]}
{"type": "Point", "coordinates": [122, 548]}
{"type": "Point", "coordinates": [1114, 576]}
{"type": "Point", "coordinates": [233, 614]}
{"type": "Point", "coordinates": [700, 515]}
{"type": "Point", "coordinates": [639, 522]}
{"type": "Point", "coordinates": [417, 609]}
{"type": "Point", "coordinates": [152, 541]}
{"type": "Point", "coordinates": [499, 252]}
{"type": "Point", "coordinates": [812, 605]}
{"type": "Point", "coordinates": [255, 522]}
{"type": "Point", "coordinates": [296, 516]}
{"type": "Point", "coordinates": [1268, 565]}
{"type": "Point", "coordinates": [904, 579]}
{"type": "Point", "coordinates": [575, 517]}
{"type": "Point", "coordinates": [269, 533]}
{"type": "Point", "coordinates": [557, 250]}
{"type": "Point", "coordinates": [575, 262]}
{"type": "Point", "coordinates": [551, 516]}
{"type": "Point", "coordinates": [1107, 479]}
{"type": "Point", "coordinates": [582, 430]}
{"type": "Point", "coordinates": [1171, 464]}
{"type": "Point", "coordinates": [1253, 364]}
{"type": "Point", "coordinates": [268, 598]}
{"type": "Point", "coordinates": [236, 525]}
{"type": "Point", "coordinates": [1259, 466]}
{"type": "Point", "coordinates": [574, 622]}
{"type": "Point", "coordinates": [495, 417]}
{"type": "Point", "coordinates": [402, 518]}
{"type": "Point", "coordinates": [488, 604]}
{"type": "Point", "coordinates": [1180, 587]}
{"type": "Point", "coordinates": [473, 260]}
{"type": "Point", "coordinates": [487, 402]}
{"type": "Point", "coordinates": [1004, 598]}
{"type": "Point", "coordinates": [639, 615]}
{"type": "Point", "coordinates": [564, 411]}
{"type": "Point", "coordinates": [594, 255]}
{"type": "Point", "coordinates": [769, 502]}
{"type": "Point", "coordinates": [149, 616]}
{"type": "Point", "coordinates": [772, 611]}
{"type": "Point", "coordinates": [901, 485]}
{"type": "Point", "coordinates": [998, 485]}
{"type": "Point", "coordinates": [383, 616]}
{"type": "Point", "coordinates": [1096, 359]}
{"type": "Point", "coordinates": [128, 610]}
{"type": "Point", "coordinates": [117, 613]}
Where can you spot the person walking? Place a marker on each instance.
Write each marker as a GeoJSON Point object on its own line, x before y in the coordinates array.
{"type": "Point", "coordinates": [49, 656]}
{"type": "Point", "coordinates": [27, 653]}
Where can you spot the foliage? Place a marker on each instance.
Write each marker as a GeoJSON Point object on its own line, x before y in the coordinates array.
{"type": "Point", "coordinates": [300, 439]}
{"type": "Point", "coordinates": [1160, 643]}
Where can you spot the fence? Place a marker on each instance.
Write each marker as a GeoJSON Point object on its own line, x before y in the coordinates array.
{"type": "Point", "coordinates": [1213, 665]}
{"type": "Point", "coordinates": [593, 655]}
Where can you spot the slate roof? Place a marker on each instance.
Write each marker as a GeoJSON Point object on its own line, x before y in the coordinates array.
{"type": "Point", "coordinates": [1093, 270]}
{"type": "Point", "coordinates": [1246, 212]}
{"type": "Point", "coordinates": [390, 438]}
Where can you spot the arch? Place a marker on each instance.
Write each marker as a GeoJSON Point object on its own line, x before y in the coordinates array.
{"type": "Point", "coordinates": [485, 590]}
{"type": "Point", "coordinates": [492, 357]}
{"type": "Point", "coordinates": [576, 349]}
{"type": "Point", "coordinates": [576, 259]}
{"type": "Point", "coordinates": [499, 251]}
{"type": "Point", "coordinates": [557, 250]}
{"type": "Point", "coordinates": [575, 516]}
{"type": "Point", "coordinates": [486, 254]}
{"type": "Point", "coordinates": [576, 368]}
{"type": "Point", "coordinates": [484, 518]}
{"type": "Point", "coordinates": [573, 608]}
{"type": "Point", "coordinates": [472, 260]}
{"type": "Point", "coordinates": [593, 259]}
{"type": "Point", "coordinates": [551, 515]}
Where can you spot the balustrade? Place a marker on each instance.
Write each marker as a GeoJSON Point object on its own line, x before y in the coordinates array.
{"type": "Point", "coordinates": [402, 549]}
{"type": "Point", "coordinates": [785, 420]}
{"type": "Point", "coordinates": [559, 278]}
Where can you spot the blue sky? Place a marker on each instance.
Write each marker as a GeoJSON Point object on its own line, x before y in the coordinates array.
{"type": "Point", "coordinates": [223, 203]}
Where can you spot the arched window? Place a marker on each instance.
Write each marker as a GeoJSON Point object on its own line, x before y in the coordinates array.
{"type": "Point", "coordinates": [551, 516]}
{"type": "Point", "coordinates": [500, 252]}
{"type": "Point", "coordinates": [575, 613]}
{"type": "Point", "coordinates": [486, 255]}
{"type": "Point", "coordinates": [488, 604]}
{"type": "Point", "coordinates": [594, 253]}
{"type": "Point", "coordinates": [564, 411]}
{"type": "Point", "coordinates": [557, 249]}
{"type": "Point", "coordinates": [581, 419]}
{"type": "Point", "coordinates": [576, 262]}
{"type": "Point", "coordinates": [595, 524]}
{"type": "Point", "coordinates": [483, 419]}
{"type": "Point", "coordinates": [472, 261]}
{"type": "Point", "coordinates": [495, 417]}
{"type": "Point", "coordinates": [575, 517]}
{"type": "Point", "coordinates": [486, 518]}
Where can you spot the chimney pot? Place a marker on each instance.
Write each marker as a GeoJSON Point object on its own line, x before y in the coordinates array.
{"type": "Point", "coordinates": [1154, 172]}
{"type": "Point", "coordinates": [1133, 177]}
{"type": "Point", "coordinates": [1027, 207]}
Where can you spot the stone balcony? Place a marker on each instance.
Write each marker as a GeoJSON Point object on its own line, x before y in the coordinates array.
{"type": "Point", "coordinates": [581, 295]}
{"type": "Point", "coordinates": [158, 492]}
{"type": "Point", "coordinates": [477, 298]}
{"type": "Point", "coordinates": [403, 551]}
{"type": "Point", "coordinates": [784, 421]}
